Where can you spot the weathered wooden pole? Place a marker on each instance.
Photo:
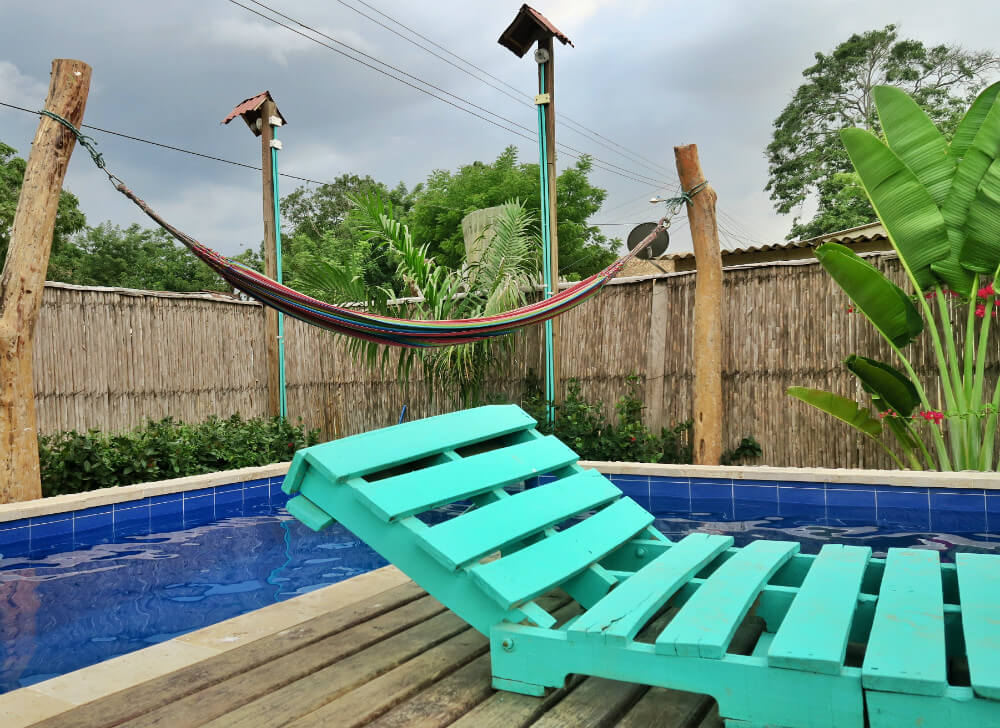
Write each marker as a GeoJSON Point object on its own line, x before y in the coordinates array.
{"type": "Point", "coordinates": [261, 114]}
{"type": "Point", "coordinates": [707, 308]}
{"type": "Point", "coordinates": [547, 77]}
{"type": "Point", "coordinates": [23, 280]}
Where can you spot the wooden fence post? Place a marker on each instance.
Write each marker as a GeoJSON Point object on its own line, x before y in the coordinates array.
{"type": "Point", "coordinates": [23, 279]}
{"type": "Point", "coordinates": [656, 355]}
{"type": "Point", "coordinates": [707, 308]}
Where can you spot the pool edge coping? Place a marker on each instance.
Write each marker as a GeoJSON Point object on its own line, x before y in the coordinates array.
{"type": "Point", "coordinates": [25, 706]}
{"type": "Point", "coordinates": [893, 478]}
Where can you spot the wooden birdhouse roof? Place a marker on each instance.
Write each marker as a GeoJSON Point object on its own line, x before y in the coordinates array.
{"type": "Point", "coordinates": [249, 109]}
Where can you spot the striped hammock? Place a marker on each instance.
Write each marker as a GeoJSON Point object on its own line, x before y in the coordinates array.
{"type": "Point", "coordinates": [385, 329]}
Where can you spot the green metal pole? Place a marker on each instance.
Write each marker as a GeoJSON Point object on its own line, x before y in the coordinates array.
{"type": "Point", "coordinates": [277, 239]}
{"type": "Point", "coordinates": [547, 273]}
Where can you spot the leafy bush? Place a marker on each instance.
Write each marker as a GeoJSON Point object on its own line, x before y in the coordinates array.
{"type": "Point", "coordinates": [583, 426]}
{"type": "Point", "coordinates": [73, 462]}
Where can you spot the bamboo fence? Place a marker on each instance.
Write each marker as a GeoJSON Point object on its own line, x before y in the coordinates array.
{"type": "Point", "coordinates": [112, 358]}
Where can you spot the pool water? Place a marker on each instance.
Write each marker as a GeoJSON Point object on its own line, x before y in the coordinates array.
{"type": "Point", "coordinates": [62, 610]}
{"type": "Point", "coordinates": [65, 606]}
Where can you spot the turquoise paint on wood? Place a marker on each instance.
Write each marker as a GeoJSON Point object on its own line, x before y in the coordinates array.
{"type": "Point", "coordinates": [421, 490]}
{"type": "Point", "coordinates": [509, 520]}
{"type": "Point", "coordinates": [710, 618]}
{"type": "Point", "coordinates": [622, 613]}
{"type": "Point", "coordinates": [957, 708]}
{"type": "Point", "coordinates": [306, 511]}
{"type": "Point", "coordinates": [814, 633]}
{"type": "Point", "coordinates": [906, 650]}
{"type": "Point", "coordinates": [979, 590]}
{"type": "Point", "coordinates": [545, 564]}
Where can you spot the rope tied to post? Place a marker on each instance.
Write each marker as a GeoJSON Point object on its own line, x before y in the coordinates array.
{"type": "Point", "coordinates": [87, 142]}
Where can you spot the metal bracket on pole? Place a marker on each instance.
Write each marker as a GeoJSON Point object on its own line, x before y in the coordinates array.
{"type": "Point", "coordinates": [542, 99]}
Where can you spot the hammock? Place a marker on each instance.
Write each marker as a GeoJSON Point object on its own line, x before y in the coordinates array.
{"type": "Point", "coordinates": [386, 329]}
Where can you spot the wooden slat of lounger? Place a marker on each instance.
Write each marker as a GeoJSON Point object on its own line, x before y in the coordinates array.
{"type": "Point", "coordinates": [484, 530]}
{"type": "Point", "coordinates": [621, 614]}
{"type": "Point", "coordinates": [906, 651]}
{"type": "Point", "coordinates": [979, 590]}
{"type": "Point", "coordinates": [372, 451]}
{"type": "Point", "coordinates": [813, 635]}
{"type": "Point", "coordinates": [549, 562]}
{"type": "Point", "coordinates": [410, 493]}
{"type": "Point", "coordinates": [706, 624]}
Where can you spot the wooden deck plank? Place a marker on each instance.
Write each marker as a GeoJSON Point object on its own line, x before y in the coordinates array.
{"type": "Point", "coordinates": [445, 702]}
{"type": "Point", "coordinates": [510, 520]}
{"type": "Point", "coordinates": [250, 684]}
{"type": "Point", "coordinates": [707, 622]}
{"type": "Point", "coordinates": [906, 649]}
{"type": "Point", "coordinates": [541, 566]}
{"type": "Point", "coordinates": [512, 710]}
{"type": "Point", "coordinates": [168, 689]}
{"type": "Point", "coordinates": [620, 615]}
{"type": "Point", "coordinates": [594, 704]}
{"type": "Point", "coordinates": [380, 449]}
{"type": "Point", "coordinates": [813, 635]}
{"type": "Point", "coordinates": [665, 708]}
{"type": "Point", "coordinates": [979, 588]}
{"type": "Point", "coordinates": [436, 485]}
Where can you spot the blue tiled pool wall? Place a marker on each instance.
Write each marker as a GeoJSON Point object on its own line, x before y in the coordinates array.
{"type": "Point", "coordinates": [926, 510]}
{"type": "Point", "coordinates": [107, 523]}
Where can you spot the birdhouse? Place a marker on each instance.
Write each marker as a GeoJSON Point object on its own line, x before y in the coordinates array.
{"type": "Point", "coordinates": [250, 110]}
{"type": "Point", "coordinates": [528, 27]}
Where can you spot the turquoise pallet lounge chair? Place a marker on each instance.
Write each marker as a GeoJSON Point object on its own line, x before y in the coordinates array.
{"type": "Point", "coordinates": [929, 632]}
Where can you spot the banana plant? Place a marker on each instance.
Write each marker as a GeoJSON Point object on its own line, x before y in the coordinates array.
{"type": "Point", "coordinates": [939, 203]}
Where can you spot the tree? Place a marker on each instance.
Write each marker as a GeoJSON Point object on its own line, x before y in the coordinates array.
{"type": "Point", "coordinates": [437, 214]}
{"type": "Point", "coordinates": [133, 257]}
{"type": "Point", "coordinates": [805, 157]}
{"type": "Point", "coordinates": [69, 218]}
{"type": "Point", "coordinates": [322, 229]}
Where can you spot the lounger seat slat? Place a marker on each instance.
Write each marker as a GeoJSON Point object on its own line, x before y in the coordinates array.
{"type": "Point", "coordinates": [979, 591]}
{"type": "Point", "coordinates": [420, 490]}
{"type": "Point", "coordinates": [380, 449]}
{"type": "Point", "coordinates": [620, 615]}
{"type": "Point", "coordinates": [906, 650]}
{"type": "Point", "coordinates": [706, 624]}
{"type": "Point", "coordinates": [815, 631]}
{"type": "Point", "coordinates": [503, 522]}
{"type": "Point", "coordinates": [533, 570]}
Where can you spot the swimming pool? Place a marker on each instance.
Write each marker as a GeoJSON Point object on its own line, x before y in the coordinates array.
{"type": "Point", "coordinates": [118, 580]}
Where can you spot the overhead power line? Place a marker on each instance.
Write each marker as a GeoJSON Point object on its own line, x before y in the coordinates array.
{"type": "Point", "coordinates": [573, 152]}
{"type": "Point", "coordinates": [517, 94]}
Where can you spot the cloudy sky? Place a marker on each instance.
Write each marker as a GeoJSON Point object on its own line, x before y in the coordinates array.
{"type": "Point", "coordinates": [644, 75]}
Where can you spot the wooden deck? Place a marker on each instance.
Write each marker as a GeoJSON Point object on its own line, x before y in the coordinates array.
{"type": "Point", "coordinates": [394, 659]}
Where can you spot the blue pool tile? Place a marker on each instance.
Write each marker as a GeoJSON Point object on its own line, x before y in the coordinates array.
{"type": "Point", "coordinates": [262, 482]}
{"type": "Point", "coordinates": [58, 526]}
{"type": "Point", "coordinates": [168, 498]}
{"type": "Point", "coordinates": [802, 504]}
{"type": "Point", "coordinates": [850, 486]}
{"type": "Point", "coordinates": [124, 514]}
{"type": "Point", "coordinates": [167, 508]}
{"type": "Point", "coordinates": [712, 499]}
{"type": "Point", "coordinates": [228, 501]}
{"type": "Point", "coordinates": [95, 511]}
{"type": "Point", "coordinates": [993, 511]}
{"type": "Point", "coordinates": [754, 502]}
{"type": "Point", "coordinates": [136, 527]}
{"type": "Point", "coordinates": [670, 497]}
{"type": "Point", "coordinates": [277, 480]}
{"type": "Point", "coordinates": [635, 487]}
{"type": "Point", "coordinates": [850, 507]}
{"type": "Point", "coordinates": [280, 498]}
{"type": "Point", "coordinates": [955, 512]}
{"type": "Point", "coordinates": [98, 529]}
{"type": "Point", "coordinates": [10, 536]}
{"type": "Point", "coordinates": [165, 521]}
{"type": "Point", "coordinates": [752, 481]}
{"type": "Point", "coordinates": [902, 509]}
{"type": "Point", "coordinates": [198, 516]}
{"type": "Point", "coordinates": [82, 523]}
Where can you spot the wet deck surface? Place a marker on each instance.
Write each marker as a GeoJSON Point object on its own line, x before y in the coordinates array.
{"type": "Point", "coordinates": [398, 658]}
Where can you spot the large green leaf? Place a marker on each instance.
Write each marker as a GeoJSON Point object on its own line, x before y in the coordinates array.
{"type": "Point", "coordinates": [981, 249]}
{"type": "Point", "coordinates": [884, 303]}
{"type": "Point", "coordinates": [907, 211]}
{"type": "Point", "coordinates": [886, 382]}
{"type": "Point", "coordinates": [916, 140]}
{"type": "Point", "coordinates": [968, 127]}
{"type": "Point", "coordinates": [844, 409]}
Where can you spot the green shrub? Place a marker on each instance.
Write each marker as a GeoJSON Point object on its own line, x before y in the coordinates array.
{"type": "Point", "coordinates": [583, 426]}
{"type": "Point", "coordinates": [73, 462]}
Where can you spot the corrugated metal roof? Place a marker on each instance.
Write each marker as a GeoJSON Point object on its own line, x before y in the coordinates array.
{"type": "Point", "coordinates": [527, 27]}
{"type": "Point", "coordinates": [859, 234]}
{"type": "Point", "coordinates": [248, 110]}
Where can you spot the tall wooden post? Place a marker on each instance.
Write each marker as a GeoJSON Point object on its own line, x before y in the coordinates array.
{"type": "Point", "coordinates": [550, 155]}
{"type": "Point", "coordinates": [23, 280]}
{"type": "Point", "coordinates": [707, 309]}
{"type": "Point", "coordinates": [272, 353]}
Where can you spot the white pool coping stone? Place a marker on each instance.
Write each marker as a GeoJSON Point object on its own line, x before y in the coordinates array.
{"type": "Point", "coordinates": [26, 706]}
{"type": "Point", "coordinates": [895, 478]}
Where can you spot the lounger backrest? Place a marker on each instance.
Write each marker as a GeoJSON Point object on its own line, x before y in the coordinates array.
{"type": "Point", "coordinates": [382, 486]}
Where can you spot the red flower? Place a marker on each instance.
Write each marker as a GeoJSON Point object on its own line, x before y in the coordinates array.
{"type": "Point", "coordinates": [932, 416]}
{"type": "Point", "coordinates": [986, 292]}
{"type": "Point", "coordinates": [980, 309]}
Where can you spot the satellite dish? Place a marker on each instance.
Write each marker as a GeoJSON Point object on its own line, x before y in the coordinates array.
{"type": "Point", "coordinates": [654, 249]}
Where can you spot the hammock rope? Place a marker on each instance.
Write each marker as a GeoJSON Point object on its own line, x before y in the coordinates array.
{"type": "Point", "coordinates": [373, 327]}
